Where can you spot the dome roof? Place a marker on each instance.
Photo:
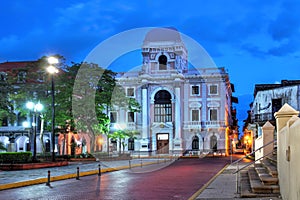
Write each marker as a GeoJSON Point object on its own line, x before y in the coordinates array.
{"type": "Point", "coordinates": [162, 34]}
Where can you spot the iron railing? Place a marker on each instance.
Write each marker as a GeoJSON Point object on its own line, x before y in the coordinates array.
{"type": "Point", "coordinates": [238, 169]}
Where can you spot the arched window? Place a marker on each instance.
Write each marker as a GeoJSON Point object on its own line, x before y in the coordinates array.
{"type": "Point", "coordinates": [162, 62]}
{"type": "Point", "coordinates": [162, 106]}
{"type": "Point", "coordinates": [213, 143]}
{"type": "Point", "coordinates": [195, 143]}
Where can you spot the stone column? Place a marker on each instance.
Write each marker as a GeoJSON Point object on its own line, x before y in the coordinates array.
{"type": "Point", "coordinates": [144, 144]}
{"type": "Point", "coordinates": [144, 112]}
{"type": "Point", "coordinates": [283, 147]}
{"type": "Point", "coordinates": [177, 120]}
{"type": "Point", "coordinates": [177, 114]}
{"type": "Point", "coordinates": [267, 137]}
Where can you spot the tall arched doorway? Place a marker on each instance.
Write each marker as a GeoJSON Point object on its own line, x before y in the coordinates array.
{"type": "Point", "coordinates": [195, 143]}
{"type": "Point", "coordinates": [213, 143]}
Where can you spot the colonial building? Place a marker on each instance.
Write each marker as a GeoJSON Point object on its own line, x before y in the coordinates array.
{"type": "Point", "coordinates": [268, 99]}
{"type": "Point", "coordinates": [184, 108]}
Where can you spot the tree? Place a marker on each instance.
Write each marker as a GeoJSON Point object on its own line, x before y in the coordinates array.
{"type": "Point", "coordinates": [35, 86]}
{"type": "Point", "coordinates": [6, 104]}
{"type": "Point", "coordinates": [96, 93]}
{"type": "Point", "coordinates": [92, 91]}
{"type": "Point", "coordinates": [119, 136]}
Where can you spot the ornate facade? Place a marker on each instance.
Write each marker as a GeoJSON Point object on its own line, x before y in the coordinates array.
{"type": "Point", "coordinates": [183, 109]}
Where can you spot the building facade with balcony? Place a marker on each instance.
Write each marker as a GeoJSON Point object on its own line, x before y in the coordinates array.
{"type": "Point", "coordinates": [268, 99]}
{"type": "Point", "coordinates": [183, 108]}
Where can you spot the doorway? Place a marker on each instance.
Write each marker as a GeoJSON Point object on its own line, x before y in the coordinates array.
{"type": "Point", "coordinates": [162, 143]}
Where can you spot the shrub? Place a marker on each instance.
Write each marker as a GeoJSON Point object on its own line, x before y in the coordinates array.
{"type": "Point", "coordinates": [15, 157]}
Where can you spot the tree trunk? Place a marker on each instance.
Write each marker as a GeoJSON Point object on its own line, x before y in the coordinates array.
{"type": "Point", "coordinates": [107, 145]}
{"type": "Point", "coordinates": [64, 144]}
{"type": "Point", "coordinates": [92, 142]}
{"type": "Point", "coordinates": [42, 134]}
{"type": "Point", "coordinates": [120, 146]}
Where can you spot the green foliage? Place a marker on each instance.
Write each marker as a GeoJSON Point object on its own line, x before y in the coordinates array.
{"type": "Point", "coordinates": [6, 104]}
{"type": "Point", "coordinates": [15, 157]}
{"type": "Point", "coordinates": [2, 147]}
{"type": "Point", "coordinates": [121, 135]}
{"type": "Point", "coordinates": [84, 155]}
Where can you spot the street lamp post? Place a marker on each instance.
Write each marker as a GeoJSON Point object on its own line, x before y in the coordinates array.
{"type": "Point", "coordinates": [35, 108]}
{"type": "Point", "coordinates": [52, 70]}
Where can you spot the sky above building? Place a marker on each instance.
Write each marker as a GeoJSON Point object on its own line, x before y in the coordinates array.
{"type": "Point", "coordinates": [256, 41]}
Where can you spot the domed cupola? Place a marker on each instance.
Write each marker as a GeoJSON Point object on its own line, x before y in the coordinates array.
{"type": "Point", "coordinates": [164, 52]}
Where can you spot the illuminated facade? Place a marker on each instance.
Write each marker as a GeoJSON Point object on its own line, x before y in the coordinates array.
{"type": "Point", "coordinates": [183, 109]}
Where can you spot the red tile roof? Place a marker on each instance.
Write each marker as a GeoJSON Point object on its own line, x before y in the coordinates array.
{"type": "Point", "coordinates": [15, 65]}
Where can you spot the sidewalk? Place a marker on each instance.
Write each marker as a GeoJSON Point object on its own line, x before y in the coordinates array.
{"type": "Point", "coordinates": [223, 187]}
{"type": "Point", "coordinates": [220, 187]}
{"type": "Point", "coordinates": [13, 179]}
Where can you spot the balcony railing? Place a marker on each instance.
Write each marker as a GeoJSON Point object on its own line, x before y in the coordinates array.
{"type": "Point", "coordinates": [263, 117]}
{"type": "Point", "coordinates": [212, 123]}
{"type": "Point", "coordinates": [203, 124]}
{"type": "Point", "coordinates": [192, 125]}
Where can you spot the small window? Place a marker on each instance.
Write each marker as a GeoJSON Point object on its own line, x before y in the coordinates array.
{"type": "Point", "coordinates": [113, 117]}
{"type": "Point", "coordinates": [195, 115]}
{"type": "Point", "coordinates": [213, 89]}
{"type": "Point", "coordinates": [130, 116]}
{"type": "Point", "coordinates": [40, 76]}
{"type": "Point", "coordinates": [22, 77]}
{"type": "Point", "coordinates": [213, 115]}
{"type": "Point", "coordinates": [195, 90]}
{"type": "Point", "coordinates": [130, 92]}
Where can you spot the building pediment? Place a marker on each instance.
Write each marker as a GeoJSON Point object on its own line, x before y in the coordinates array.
{"type": "Point", "coordinates": [162, 125]}
{"type": "Point", "coordinates": [195, 105]}
{"type": "Point", "coordinates": [213, 104]}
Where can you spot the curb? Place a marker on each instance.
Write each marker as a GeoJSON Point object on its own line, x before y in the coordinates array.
{"type": "Point", "coordinates": [195, 195]}
{"type": "Point", "coordinates": [67, 176]}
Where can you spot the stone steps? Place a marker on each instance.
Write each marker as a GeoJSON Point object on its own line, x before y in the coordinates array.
{"type": "Point", "coordinates": [260, 180]}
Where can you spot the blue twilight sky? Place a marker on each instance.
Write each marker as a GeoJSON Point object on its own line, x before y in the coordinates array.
{"type": "Point", "coordinates": [256, 41]}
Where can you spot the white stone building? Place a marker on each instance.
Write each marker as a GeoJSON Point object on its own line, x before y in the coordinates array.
{"type": "Point", "coordinates": [269, 98]}
{"type": "Point", "coordinates": [183, 109]}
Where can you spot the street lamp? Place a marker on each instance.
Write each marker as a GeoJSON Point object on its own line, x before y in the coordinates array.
{"type": "Point", "coordinates": [53, 70]}
{"type": "Point", "coordinates": [35, 108]}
